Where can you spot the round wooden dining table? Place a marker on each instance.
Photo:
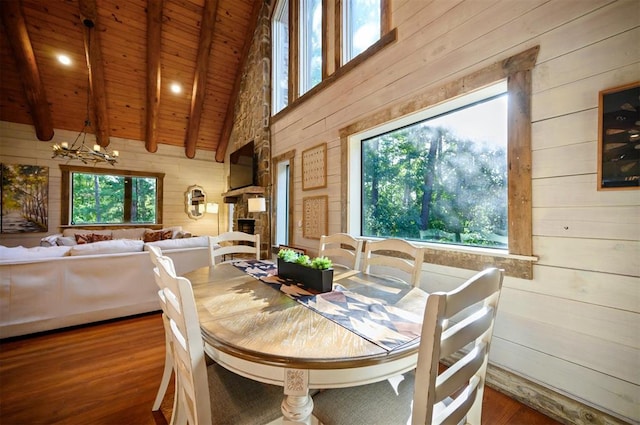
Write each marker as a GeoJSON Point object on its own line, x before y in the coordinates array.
{"type": "Point", "coordinates": [259, 332]}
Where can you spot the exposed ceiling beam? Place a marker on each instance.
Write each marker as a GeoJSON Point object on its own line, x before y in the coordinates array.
{"type": "Point", "coordinates": [200, 77]}
{"type": "Point", "coordinates": [221, 150]}
{"type": "Point", "coordinates": [154, 77]}
{"type": "Point", "coordinates": [18, 37]}
{"type": "Point", "coordinates": [93, 52]}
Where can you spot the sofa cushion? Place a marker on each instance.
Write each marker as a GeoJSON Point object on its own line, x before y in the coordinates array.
{"type": "Point", "coordinates": [130, 233]}
{"type": "Point", "coordinates": [85, 238]}
{"type": "Point", "coordinates": [73, 231]}
{"type": "Point", "coordinates": [107, 247]}
{"type": "Point", "coordinates": [157, 235]}
{"type": "Point", "coordinates": [22, 253]}
{"type": "Point", "coordinates": [196, 242]}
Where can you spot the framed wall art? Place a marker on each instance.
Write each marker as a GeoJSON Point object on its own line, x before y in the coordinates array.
{"type": "Point", "coordinates": [619, 137]}
{"type": "Point", "coordinates": [314, 167]}
{"type": "Point", "coordinates": [315, 216]}
{"type": "Point", "coordinates": [25, 198]}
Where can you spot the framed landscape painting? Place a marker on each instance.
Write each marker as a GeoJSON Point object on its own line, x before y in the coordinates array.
{"type": "Point", "coordinates": [619, 138]}
{"type": "Point", "coordinates": [25, 198]}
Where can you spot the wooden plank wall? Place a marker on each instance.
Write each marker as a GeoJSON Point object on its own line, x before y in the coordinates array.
{"type": "Point", "coordinates": [575, 327]}
{"type": "Point", "coordinates": [19, 145]}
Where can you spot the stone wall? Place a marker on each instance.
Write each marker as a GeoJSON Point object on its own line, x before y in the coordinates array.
{"type": "Point", "coordinates": [251, 121]}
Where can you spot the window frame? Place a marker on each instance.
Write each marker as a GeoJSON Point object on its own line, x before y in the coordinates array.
{"type": "Point", "coordinates": [66, 195]}
{"type": "Point", "coordinates": [279, 53]}
{"type": "Point", "coordinates": [345, 35]}
{"type": "Point", "coordinates": [356, 221]}
{"type": "Point", "coordinates": [330, 45]}
{"type": "Point", "coordinates": [304, 55]}
{"type": "Point", "coordinates": [518, 261]}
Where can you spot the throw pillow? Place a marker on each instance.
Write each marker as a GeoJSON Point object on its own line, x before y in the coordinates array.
{"type": "Point", "coordinates": [158, 235]}
{"type": "Point", "coordinates": [84, 238]}
{"type": "Point", "coordinates": [66, 241]}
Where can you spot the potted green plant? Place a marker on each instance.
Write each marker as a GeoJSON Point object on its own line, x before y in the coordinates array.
{"type": "Point", "coordinates": [314, 273]}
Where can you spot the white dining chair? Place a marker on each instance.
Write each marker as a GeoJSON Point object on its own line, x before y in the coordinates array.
{"type": "Point", "coordinates": [343, 250]}
{"type": "Point", "coordinates": [208, 394]}
{"type": "Point", "coordinates": [230, 243]}
{"type": "Point", "coordinates": [389, 256]}
{"type": "Point", "coordinates": [457, 325]}
{"type": "Point", "coordinates": [155, 253]}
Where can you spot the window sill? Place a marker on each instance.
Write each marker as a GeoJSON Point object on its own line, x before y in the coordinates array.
{"type": "Point", "coordinates": [475, 258]}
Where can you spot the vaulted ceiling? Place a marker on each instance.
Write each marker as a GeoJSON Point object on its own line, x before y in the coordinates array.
{"type": "Point", "coordinates": [124, 67]}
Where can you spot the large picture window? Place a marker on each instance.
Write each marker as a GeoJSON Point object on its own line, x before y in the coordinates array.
{"type": "Point", "coordinates": [442, 178]}
{"type": "Point", "coordinates": [98, 197]}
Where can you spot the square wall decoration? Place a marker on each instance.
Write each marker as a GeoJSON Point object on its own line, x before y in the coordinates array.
{"type": "Point", "coordinates": [25, 198]}
{"type": "Point", "coordinates": [619, 138]}
{"type": "Point", "coordinates": [314, 167]}
{"type": "Point", "coordinates": [315, 212]}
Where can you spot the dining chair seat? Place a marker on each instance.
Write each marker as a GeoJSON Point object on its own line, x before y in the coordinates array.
{"type": "Point", "coordinates": [457, 326]}
{"type": "Point", "coordinates": [241, 401]}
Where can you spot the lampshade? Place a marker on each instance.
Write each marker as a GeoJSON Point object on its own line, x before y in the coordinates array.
{"type": "Point", "coordinates": [212, 208]}
{"type": "Point", "coordinates": [257, 205]}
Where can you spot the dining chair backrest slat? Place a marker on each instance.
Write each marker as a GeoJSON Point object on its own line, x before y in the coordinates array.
{"type": "Point", "coordinates": [230, 243]}
{"type": "Point", "coordinates": [445, 332]}
{"type": "Point", "coordinates": [395, 254]}
{"type": "Point", "coordinates": [342, 249]}
{"type": "Point", "coordinates": [188, 349]}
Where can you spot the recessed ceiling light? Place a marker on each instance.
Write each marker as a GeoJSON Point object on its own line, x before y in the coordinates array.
{"type": "Point", "coordinates": [64, 59]}
{"type": "Point", "coordinates": [176, 88]}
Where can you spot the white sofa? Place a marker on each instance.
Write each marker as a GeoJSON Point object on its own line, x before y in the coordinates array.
{"type": "Point", "coordinates": [84, 283]}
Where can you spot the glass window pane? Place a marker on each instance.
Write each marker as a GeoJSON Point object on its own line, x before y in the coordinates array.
{"type": "Point", "coordinates": [441, 180]}
{"type": "Point", "coordinates": [97, 198]}
{"type": "Point", "coordinates": [143, 200]}
{"type": "Point", "coordinates": [310, 44]}
{"type": "Point", "coordinates": [280, 34]}
{"type": "Point", "coordinates": [100, 199]}
{"type": "Point", "coordinates": [361, 26]}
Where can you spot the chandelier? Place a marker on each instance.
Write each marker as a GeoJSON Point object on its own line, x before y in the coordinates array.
{"type": "Point", "coordinates": [82, 152]}
{"type": "Point", "coordinates": [78, 149]}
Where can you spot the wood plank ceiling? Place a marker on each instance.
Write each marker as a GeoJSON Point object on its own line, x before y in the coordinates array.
{"type": "Point", "coordinates": [132, 55]}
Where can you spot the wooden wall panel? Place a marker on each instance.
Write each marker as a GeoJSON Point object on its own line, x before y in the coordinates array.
{"type": "Point", "coordinates": [614, 396]}
{"type": "Point", "coordinates": [617, 223]}
{"type": "Point", "coordinates": [558, 328]}
{"type": "Point", "coordinates": [609, 357]}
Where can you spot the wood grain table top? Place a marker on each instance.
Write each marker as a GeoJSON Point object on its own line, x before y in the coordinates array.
{"type": "Point", "coordinates": [249, 319]}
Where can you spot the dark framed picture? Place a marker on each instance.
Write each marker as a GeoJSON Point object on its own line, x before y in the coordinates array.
{"type": "Point", "coordinates": [619, 138]}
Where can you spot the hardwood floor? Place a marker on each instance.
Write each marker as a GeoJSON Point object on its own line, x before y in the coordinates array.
{"type": "Point", "coordinates": [109, 374]}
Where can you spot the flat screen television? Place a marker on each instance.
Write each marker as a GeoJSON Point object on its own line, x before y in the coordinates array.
{"type": "Point", "coordinates": [242, 167]}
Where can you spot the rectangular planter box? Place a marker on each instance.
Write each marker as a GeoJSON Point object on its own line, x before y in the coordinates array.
{"type": "Point", "coordinates": [319, 280]}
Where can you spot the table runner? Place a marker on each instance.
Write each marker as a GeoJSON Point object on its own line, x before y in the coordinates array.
{"type": "Point", "coordinates": [382, 324]}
